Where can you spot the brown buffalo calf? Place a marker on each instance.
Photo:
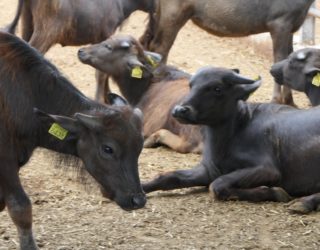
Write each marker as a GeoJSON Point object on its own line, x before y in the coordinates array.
{"type": "Point", "coordinates": [155, 90]}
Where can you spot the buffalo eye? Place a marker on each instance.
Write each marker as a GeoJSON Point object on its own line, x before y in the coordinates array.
{"type": "Point", "coordinates": [107, 149]}
{"type": "Point", "coordinates": [217, 90]}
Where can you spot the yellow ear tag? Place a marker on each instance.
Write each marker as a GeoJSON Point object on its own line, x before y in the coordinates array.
{"type": "Point", "coordinates": [136, 72]}
{"type": "Point", "coordinates": [316, 80]}
{"type": "Point", "coordinates": [152, 62]}
{"type": "Point", "coordinates": [57, 131]}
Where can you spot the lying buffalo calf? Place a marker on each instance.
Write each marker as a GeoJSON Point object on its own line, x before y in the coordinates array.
{"type": "Point", "coordinates": [152, 88]}
{"type": "Point", "coordinates": [253, 152]}
{"type": "Point", "coordinates": [301, 72]}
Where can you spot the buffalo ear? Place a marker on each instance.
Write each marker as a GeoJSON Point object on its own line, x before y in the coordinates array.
{"type": "Point", "coordinates": [66, 122]}
{"type": "Point", "coordinates": [133, 62]}
{"type": "Point", "coordinates": [116, 100]}
{"type": "Point", "coordinates": [154, 59]}
{"type": "Point", "coordinates": [312, 71]}
{"type": "Point", "coordinates": [89, 121]}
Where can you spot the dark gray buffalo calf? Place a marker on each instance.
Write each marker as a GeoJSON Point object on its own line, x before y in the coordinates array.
{"type": "Point", "coordinates": [253, 152]}
{"type": "Point", "coordinates": [229, 18]}
{"type": "Point", "coordinates": [301, 72]}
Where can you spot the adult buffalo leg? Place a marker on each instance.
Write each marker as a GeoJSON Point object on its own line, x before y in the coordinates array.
{"type": "Point", "coordinates": [2, 203]}
{"type": "Point", "coordinates": [306, 204]}
{"type": "Point", "coordinates": [250, 184]}
{"type": "Point", "coordinates": [103, 88]}
{"type": "Point", "coordinates": [27, 21]}
{"type": "Point", "coordinates": [18, 205]}
{"type": "Point", "coordinates": [177, 143]}
{"type": "Point", "coordinates": [167, 17]}
{"type": "Point", "coordinates": [282, 46]}
{"type": "Point", "coordinates": [197, 176]}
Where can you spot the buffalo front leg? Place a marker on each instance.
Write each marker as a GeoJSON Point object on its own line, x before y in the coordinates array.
{"type": "Point", "coordinates": [19, 208]}
{"type": "Point", "coordinates": [197, 176]}
{"type": "Point", "coordinates": [306, 204]}
{"type": "Point", "coordinates": [282, 47]}
{"type": "Point", "coordinates": [167, 138]}
{"type": "Point", "coordinates": [250, 184]}
{"type": "Point", "coordinates": [103, 88]}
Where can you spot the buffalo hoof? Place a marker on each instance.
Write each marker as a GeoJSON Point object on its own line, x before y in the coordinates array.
{"type": "Point", "coordinates": [281, 195]}
{"type": "Point", "coordinates": [300, 207]}
{"type": "Point", "coordinates": [155, 139]}
{"type": "Point", "coordinates": [303, 206]}
{"type": "Point", "coordinates": [220, 192]}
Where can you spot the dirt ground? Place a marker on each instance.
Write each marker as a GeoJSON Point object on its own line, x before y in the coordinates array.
{"type": "Point", "coordinates": [66, 216]}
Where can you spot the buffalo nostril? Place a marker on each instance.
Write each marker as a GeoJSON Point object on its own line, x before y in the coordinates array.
{"type": "Point", "coordinates": [81, 52]}
{"type": "Point", "coordinates": [180, 110]}
{"type": "Point", "coordinates": [139, 200]}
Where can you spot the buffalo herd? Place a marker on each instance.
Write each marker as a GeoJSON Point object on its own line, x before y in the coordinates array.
{"type": "Point", "coordinates": [250, 151]}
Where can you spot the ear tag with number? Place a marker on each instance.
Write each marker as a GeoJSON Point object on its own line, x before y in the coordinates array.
{"type": "Point", "coordinates": [136, 72]}
{"type": "Point", "coordinates": [57, 131]}
{"type": "Point", "coordinates": [316, 80]}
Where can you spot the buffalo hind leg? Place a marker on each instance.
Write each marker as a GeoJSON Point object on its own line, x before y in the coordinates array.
{"type": "Point", "coordinates": [19, 208]}
{"type": "Point", "coordinates": [197, 176]}
{"type": "Point", "coordinates": [249, 184]}
{"type": "Point", "coordinates": [173, 141]}
{"type": "Point", "coordinates": [306, 204]}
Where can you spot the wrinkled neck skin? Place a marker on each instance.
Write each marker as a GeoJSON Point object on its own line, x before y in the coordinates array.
{"type": "Point", "coordinates": [217, 139]}
{"type": "Point", "coordinates": [133, 89]}
{"type": "Point", "coordinates": [129, 6]}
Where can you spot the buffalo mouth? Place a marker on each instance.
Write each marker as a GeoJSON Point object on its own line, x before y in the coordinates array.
{"type": "Point", "coordinates": [126, 202]}
{"type": "Point", "coordinates": [132, 202]}
{"type": "Point", "coordinates": [83, 56]}
{"type": "Point", "coordinates": [184, 114]}
{"type": "Point", "coordinates": [276, 72]}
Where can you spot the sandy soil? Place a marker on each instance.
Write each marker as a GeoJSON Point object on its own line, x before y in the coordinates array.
{"type": "Point", "coordinates": [66, 216]}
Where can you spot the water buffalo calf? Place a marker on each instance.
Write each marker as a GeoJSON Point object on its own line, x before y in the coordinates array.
{"type": "Point", "coordinates": [155, 90]}
{"type": "Point", "coordinates": [252, 151]}
{"type": "Point", "coordinates": [108, 139]}
{"type": "Point", "coordinates": [231, 19]}
{"type": "Point", "coordinates": [301, 72]}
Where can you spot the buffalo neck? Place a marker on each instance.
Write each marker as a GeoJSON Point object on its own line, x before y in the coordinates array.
{"type": "Point", "coordinates": [218, 137]}
{"type": "Point", "coordinates": [63, 99]}
{"type": "Point", "coordinates": [133, 89]}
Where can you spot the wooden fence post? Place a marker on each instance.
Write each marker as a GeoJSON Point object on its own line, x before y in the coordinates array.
{"type": "Point", "coordinates": [307, 35]}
